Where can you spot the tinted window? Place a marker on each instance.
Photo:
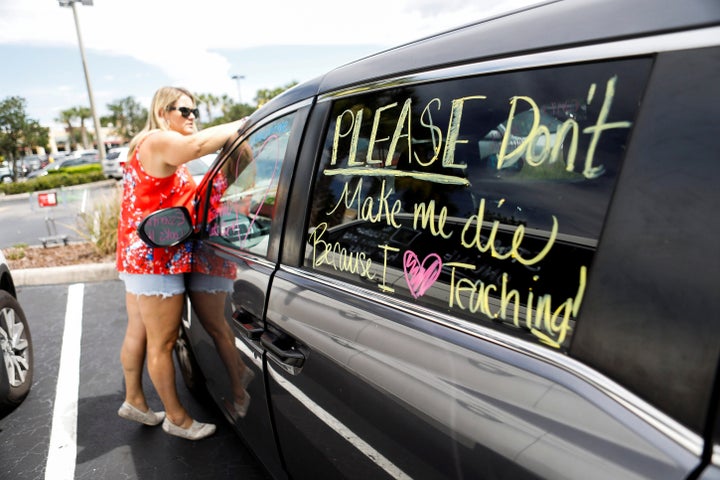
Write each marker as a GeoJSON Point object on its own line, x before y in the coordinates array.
{"type": "Point", "coordinates": [480, 197]}
{"type": "Point", "coordinates": [243, 196]}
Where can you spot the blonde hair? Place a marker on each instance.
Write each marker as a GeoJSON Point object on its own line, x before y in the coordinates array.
{"type": "Point", "coordinates": [164, 98]}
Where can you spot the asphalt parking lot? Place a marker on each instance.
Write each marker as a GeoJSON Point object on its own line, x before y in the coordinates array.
{"type": "Point", "coordinates": [68, 427]}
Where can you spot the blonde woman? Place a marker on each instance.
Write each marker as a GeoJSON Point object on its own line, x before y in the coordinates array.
{"type": "Point", "coordinates": [156, 177]}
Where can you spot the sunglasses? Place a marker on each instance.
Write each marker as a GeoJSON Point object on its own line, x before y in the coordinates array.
{"type": "Point", "coordinates": [185, 111]}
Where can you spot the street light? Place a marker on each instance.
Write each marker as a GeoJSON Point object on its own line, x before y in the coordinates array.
{"type": "Point", "coordinates": [96, 122]}
{"type": "Point", "coordinates": [237, 78]}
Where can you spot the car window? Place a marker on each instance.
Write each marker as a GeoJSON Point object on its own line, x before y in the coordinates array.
{"type": "Point", "coordinates": [243, 191]}
{"type": "Point", "coordinates": [482, 197]}
{"type": "Point", "coordinates": [200, 166]}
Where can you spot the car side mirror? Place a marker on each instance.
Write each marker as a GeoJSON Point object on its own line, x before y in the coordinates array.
{"type": "Point", "coordinates": [166, 228]}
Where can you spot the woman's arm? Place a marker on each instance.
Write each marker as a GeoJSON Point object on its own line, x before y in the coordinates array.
{"type": "Point", "coordinates": [162, 152]}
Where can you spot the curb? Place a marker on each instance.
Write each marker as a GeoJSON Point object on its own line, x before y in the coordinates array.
{"type": "Point", "coordinates": [92, 272]}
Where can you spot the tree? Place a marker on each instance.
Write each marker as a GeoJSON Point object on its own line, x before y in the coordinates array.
{"type": "Point", "coordinates": [210, 101]}
{"type": "Point", "coordinates": [67, 117]}
{"type": "Point", "coordinates": [127, 116]}
{"type": "Point", "coordinates": [36, 135]}
{"type": "Point", "coordinates": [234, 112]}
{"type": "Point", "coordinates": [265, 95]}
{"type": "Point", "coordinates": [17, 131]}
{"type": "Point", "coordinates": [83, 113]}
{"type": "Point", "coordinates": [226, 103]}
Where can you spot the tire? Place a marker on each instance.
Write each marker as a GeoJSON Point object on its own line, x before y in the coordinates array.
{"type": "Point", "coordinates": [16, 369]}
{"type": "Point", "coordinates": [192, 376]}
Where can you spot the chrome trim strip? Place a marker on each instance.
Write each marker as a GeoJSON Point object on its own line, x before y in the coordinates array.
{"type": "Point", "coordinates": [672, 429]}
{"type": "Point", "coordinates": [705, 37]}
{"type": "Point", "coordinates": [340, 428]}
{"type": "Point", "coordinates": [277, 114]}
{"type": "Point", "coordinates": [323, 415]}
{"type": "Point", "coordinates": [244, 255]}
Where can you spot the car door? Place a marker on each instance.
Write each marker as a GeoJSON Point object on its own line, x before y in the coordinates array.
{"type": "Point", "coordinates": [241, 225]}
{"type": "Point", "coordinates": [431, 282]}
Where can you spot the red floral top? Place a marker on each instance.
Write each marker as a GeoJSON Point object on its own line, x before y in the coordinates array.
{"type": "Point", "coordinates": [142, 195]}
{"type": "Point", "coordinates": [205, 260]}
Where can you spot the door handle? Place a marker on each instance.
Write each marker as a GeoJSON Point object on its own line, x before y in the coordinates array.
{"type": "Point", "coordinates": [249, 325]}
{"type": "Point", "coordinates": [284, 348]}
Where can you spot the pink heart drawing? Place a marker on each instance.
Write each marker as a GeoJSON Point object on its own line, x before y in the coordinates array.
{"type": "Point", "coordinates": [421, 276]}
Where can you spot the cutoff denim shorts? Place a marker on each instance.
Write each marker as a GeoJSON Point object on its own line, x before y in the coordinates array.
{"type": "Point", "coordinates": [175, 284]}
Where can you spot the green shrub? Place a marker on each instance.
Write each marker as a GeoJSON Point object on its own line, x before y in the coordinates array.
{"type": "Point", "coordinates": [63, 178]}
{"type": "Point", "coordinates": [79, 169]}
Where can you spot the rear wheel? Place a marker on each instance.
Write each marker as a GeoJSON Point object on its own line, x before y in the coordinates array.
{"type": "Point", "coordinates": [17, 354]}
{"type": "Point", "coordinates": [189, 368]}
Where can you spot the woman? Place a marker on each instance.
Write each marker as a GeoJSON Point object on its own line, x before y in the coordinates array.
{"type": "Point", "coordinates": [156, 177]}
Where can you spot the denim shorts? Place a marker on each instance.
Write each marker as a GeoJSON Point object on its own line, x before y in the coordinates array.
{"type": "Point", "coordinates": [200, 282]}
{"type": "Point", "coordinates": [174, 284]}
{"type": "Point", "coordinates": [152, 284]}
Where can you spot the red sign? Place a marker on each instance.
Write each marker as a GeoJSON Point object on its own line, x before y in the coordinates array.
{"type": "Point", "coordinates": [47, 199]}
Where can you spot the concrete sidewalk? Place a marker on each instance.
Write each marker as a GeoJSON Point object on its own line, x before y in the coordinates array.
{"type": "Point", "coordinates": [92, 272]}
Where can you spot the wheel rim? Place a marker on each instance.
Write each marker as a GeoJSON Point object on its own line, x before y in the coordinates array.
{"type": "Point", "coordinates": [14, 346]}
{"type": "Point", "coordinates": [183, 355]}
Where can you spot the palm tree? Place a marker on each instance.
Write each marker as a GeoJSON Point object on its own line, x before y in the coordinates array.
{"type": "Point", "coordinates": [127, 117]}
{"type": "Point", "coordinates": [265, 95]}
{"type": "Point", "coordinates": [226, 103]}
{"type": "Point", "coordinates": [66, 117]}
{"type": "Point", "coordinates": [210, 101]}
{"type": "Point", "coordinates": [83, 113]}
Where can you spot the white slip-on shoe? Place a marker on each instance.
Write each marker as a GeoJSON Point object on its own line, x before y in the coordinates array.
{"type": "Point", "coordinates": [150, 418]}
{"type": "Point", "coordinates": [238, 409]}
{"type": "Point", "coordinates": [196, 431]}
{"type": "Point", "coordinates": [247, 377]}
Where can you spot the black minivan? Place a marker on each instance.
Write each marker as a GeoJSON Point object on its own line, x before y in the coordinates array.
{"type": "Point", "coordinates": [491, 253]}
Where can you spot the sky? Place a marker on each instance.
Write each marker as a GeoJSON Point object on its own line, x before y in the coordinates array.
{"type": "Point", "coordinates": [132, 47]}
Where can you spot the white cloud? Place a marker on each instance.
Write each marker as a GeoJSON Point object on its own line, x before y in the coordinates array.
{"type": "Point", "coordinates": [172, 33]}
{"type": "Point", "coordinates": [182, 38]}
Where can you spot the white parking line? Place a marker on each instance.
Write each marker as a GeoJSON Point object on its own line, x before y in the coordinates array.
{"type": "Point", "coordinates": [63, 435]}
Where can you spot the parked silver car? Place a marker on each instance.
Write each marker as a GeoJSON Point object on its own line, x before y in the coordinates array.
{"type": "Point", "coordinates": [16, 369]}
{"type": "Point", "coordinates": [6, 175]}
{"type": "Point", "coordinates": [69, 161]}
{"type": "Point", "coordinates": [115, 162]}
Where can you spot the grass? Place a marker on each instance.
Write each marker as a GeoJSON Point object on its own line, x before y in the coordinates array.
{"type": "Point", "coordinates": [16, 252]}
{"type": "Point", "coordinates": [99, 225]}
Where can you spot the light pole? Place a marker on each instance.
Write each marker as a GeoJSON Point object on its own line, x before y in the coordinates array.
{"type": "Point", "coordinates": [96, 122]}
{"type": "Point", "coordinates": [237, 79]}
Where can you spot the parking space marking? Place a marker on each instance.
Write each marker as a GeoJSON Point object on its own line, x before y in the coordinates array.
{"type": "Point", "coordinates": [63, 434]}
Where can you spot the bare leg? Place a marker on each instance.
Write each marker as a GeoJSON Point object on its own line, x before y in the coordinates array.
{"type": "Point", "coordinates": [161, 317]}
{"type": "Point", "coordinates": [132, 355]}
{"type": "Point", "coordinates": [210, 308]}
